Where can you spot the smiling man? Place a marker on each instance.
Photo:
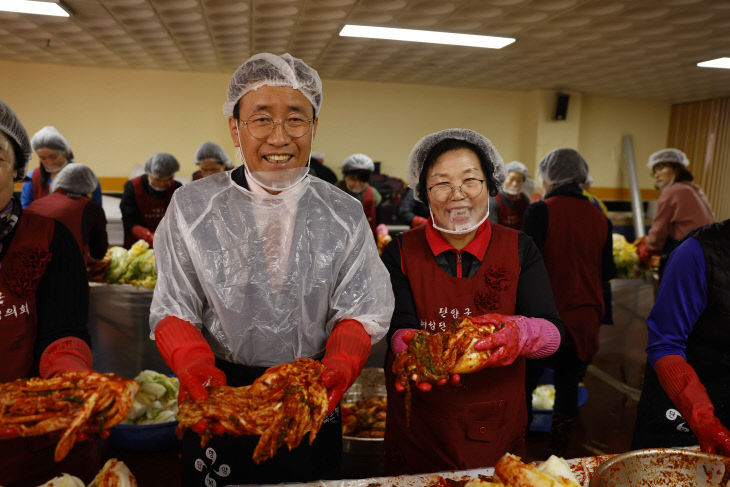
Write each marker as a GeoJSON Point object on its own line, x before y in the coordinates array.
{"type": "Point", "coordinates": [262, 265]}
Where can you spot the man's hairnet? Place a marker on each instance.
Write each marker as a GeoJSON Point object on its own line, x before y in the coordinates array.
{"type": "Point", "coordinates": [266, 69]}
{"type": "Point", "coordinates": [358, 162]}
{"type": "Point", "coordinates": [78, 179]}
{"type": "Point", "coordinates": [50, 138]}
{"type": "Point", "coordinates": [161, 165]}
{"type": "Point", "coordinates": [563, 166]}
{"type": "Point", "coordinates": [668, 156]}
{"type": "Point", "coordinates": [516, 166]}
{"type": "Point", "coordinates": [211, 150]}
{"type": "Point", "coordinates": [13, 129]}
{"type": "Point", "coordinates": [486, 149]}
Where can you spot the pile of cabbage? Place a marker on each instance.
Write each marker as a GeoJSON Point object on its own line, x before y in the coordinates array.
{"type": "Point", "coordinates": [134, 266]}
{"type": "Point", "coordinates": [625, 257]}
{"type": "Point", "coordinates": [156, 401]}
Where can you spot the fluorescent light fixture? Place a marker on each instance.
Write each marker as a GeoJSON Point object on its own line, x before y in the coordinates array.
{"type": "Point", "coordinates": [33, 7]}
{"type": "Point", "coordinates": [429, 36]}
{"type": "Point", "coordinates": [721, 62]}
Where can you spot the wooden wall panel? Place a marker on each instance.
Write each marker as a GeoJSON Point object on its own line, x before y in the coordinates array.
{"type": "Point", "coordinates": [702, 130]}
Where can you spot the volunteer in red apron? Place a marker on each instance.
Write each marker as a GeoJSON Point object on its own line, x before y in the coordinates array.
{"type": "Point", "coordinates": [357, 169]}
{"type": "Point", "coordinates": [455, 266]}
{"type": "Point", "coordinates": [211, 159]}
{"type": "Point", "coordinates": [262, 265]}
{"type": "Point", "coordinates": [146, 197]}
{"type": "Point", "coordinates": [43, 312]}
{"type": "Point", "coordinates": [510, 203]}
{"type": "Point", "coordinates": [576, 242]}
{"type": "Point", "coordinates": [54, 154]}
{"type": "Point", "coordinates": [69, 202]}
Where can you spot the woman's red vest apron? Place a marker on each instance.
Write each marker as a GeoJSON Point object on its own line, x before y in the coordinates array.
{"type": "Point", "coordinates": [69, 211]}
{"type": "Point", "coordinates": [511, 217]}
{"type": "Point", "coordinates": [472, 425]}
{"type": "Point", "coordinates": [574, 262]}
{"type": "Point", "coordinates": [368, 205]}
{"type": "Point", "coordinates": [29, 461]}
{"type": "Point", "coordinates": [39, 189]}
{"type": "Point", "coordinates": [150, 209]}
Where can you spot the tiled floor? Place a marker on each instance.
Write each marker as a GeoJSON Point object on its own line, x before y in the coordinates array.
{"type": "Point", "coordinates": [614, 378]}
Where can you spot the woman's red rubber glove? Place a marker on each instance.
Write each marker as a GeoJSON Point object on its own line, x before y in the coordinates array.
{"type": "Point", "coordinates": [683, 386]}
{"type": "Point", "coordinates": [142, 233]}
{"type": "Point", "coordinates": [346, 352]}
{"type": "Point", "coordinates": [188, 354]}
{"type": "Point", "coordinates": [398, 343]}
{"type": "Point", "coordinates": [64, 355]}
{"type": "Point", "coordinates": [521, 336]}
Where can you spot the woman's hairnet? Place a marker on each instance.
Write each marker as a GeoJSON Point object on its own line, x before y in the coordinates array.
{"type": "Point", "coordinates": [78, 179]}
{"type": "Point", "coordinates": [563, 166]}
{"type": "Point", "coordinates": [266, 69]}
{"type": "Point", "coordinates": [486, 149]}
{"type": "Point", "coordinates": [516, 166]}
{"type": "Point", "coordinates": [358, 162]}
{"type": "Point", "coordinates": [668, 156]}
{"type": "Point", "coordinates": [13, 129]}
{"type": "Point", "coordinates": [211, 150]}
{"type": "Point", "coordinates": [50, 138]}
{"type": "Point", "coordinates": [161, 165]}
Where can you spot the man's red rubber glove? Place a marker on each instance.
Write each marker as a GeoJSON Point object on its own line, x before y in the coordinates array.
{"type": "Point", "coordinates": [141, 233]}
{"type": "Point", "coordinates": [399, 343]}
{"type": "Point", "coordinates": [186, 352]}
{"type": "Point", "coordinates": [644, 254]}
{"type": "Point", "coordinates": [64, 355]}
{"type": "Point", "coordinates": [683, 386]}
{"type": "Point", "coordinates": [521, 336]}
{"type": "Point", "coordinates": [418, 221]}
{"type": "Point", "coordinates": [346, 352]}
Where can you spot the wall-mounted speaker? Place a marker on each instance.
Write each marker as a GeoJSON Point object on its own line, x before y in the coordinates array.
{"type": "Point", "coordinates": [561, 106]}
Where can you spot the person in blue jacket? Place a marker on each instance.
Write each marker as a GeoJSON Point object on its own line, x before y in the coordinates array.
{"type": "Point", "coordinates": [54, 153]}
{"type": "Point", "coordinates": [686, 395]}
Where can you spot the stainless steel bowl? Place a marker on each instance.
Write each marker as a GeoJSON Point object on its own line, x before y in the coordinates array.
{"type": "Point", "coordinates": [659, 467]}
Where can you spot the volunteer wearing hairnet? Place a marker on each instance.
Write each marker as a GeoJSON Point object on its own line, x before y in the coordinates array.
{"type": "Point", "coordinates": [688, 349]}
{"type": "Point", "coordinates": [262, 265]}
{"type": "Point", "coordinates": [357, 169]}
{"type": "Point", "coordinates": [70, 203]}
{"type": "Point", "coordinates": [146, 197]}
{"type": "Point", "coordinates": [210, 159]}
{"type": "Point", "coordinates": [682, 205]}
{"type": "Point", "coordinates": [411, 211]}
{"type": "Point", "coordinates": [510, 203]}
{"type": "Point", "coordinates": [44, 306]}
{"type": "Point", "coordinates": [460, 265]}
{"type": "Point", "coordinates": [576, 242]}
{"type": "Point", "coordinates": [54, 154]}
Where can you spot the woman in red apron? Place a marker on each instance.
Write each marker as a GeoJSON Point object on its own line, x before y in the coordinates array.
{"type": "Point", "coordinates": [69, 202]}
{"type": "Point", "coordinates": [455, 266]}
{"type": "Point", "coordinates": [575, 239]}
{"type": "Point", "coordinates": [145, 198]}
{"type": "Point", "coordinates": [211, 159]}
{"type": "Point", "coordinates": [510, 203]}
{"type": "Point", "coordinates": [357, 169]}
{"type": "Point", "coordinates": [43, 312]}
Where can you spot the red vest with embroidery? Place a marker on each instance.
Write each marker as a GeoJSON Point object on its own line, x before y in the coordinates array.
{"type": "Point", "coordinates": [39, 189]}
{"type": "Point", "coordinates": [511, 217]}
{"type": "Point", "coordinates": [22, 268]}
{"type": "Point", "coordinates": [573, 255]}
{"type": "Point", "coordinates": [151, 209]}
{"type": "Point", "coordinates": [472, 425]}
{"type": "Point", "coordinates": [69, 211]}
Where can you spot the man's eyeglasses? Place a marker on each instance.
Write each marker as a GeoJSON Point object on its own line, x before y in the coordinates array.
{"type": "Point", "coordinates": [471, 188]}
{"type": "Point", "coordinates": [262, 126]}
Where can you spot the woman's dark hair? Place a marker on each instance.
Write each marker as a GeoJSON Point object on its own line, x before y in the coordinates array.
{"type": "Point", "coordinates": [681, 174]}
{"type": "Point", "coordinates": [360, 174]}
{"type": "Point", "coordinates": [453, 144]}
